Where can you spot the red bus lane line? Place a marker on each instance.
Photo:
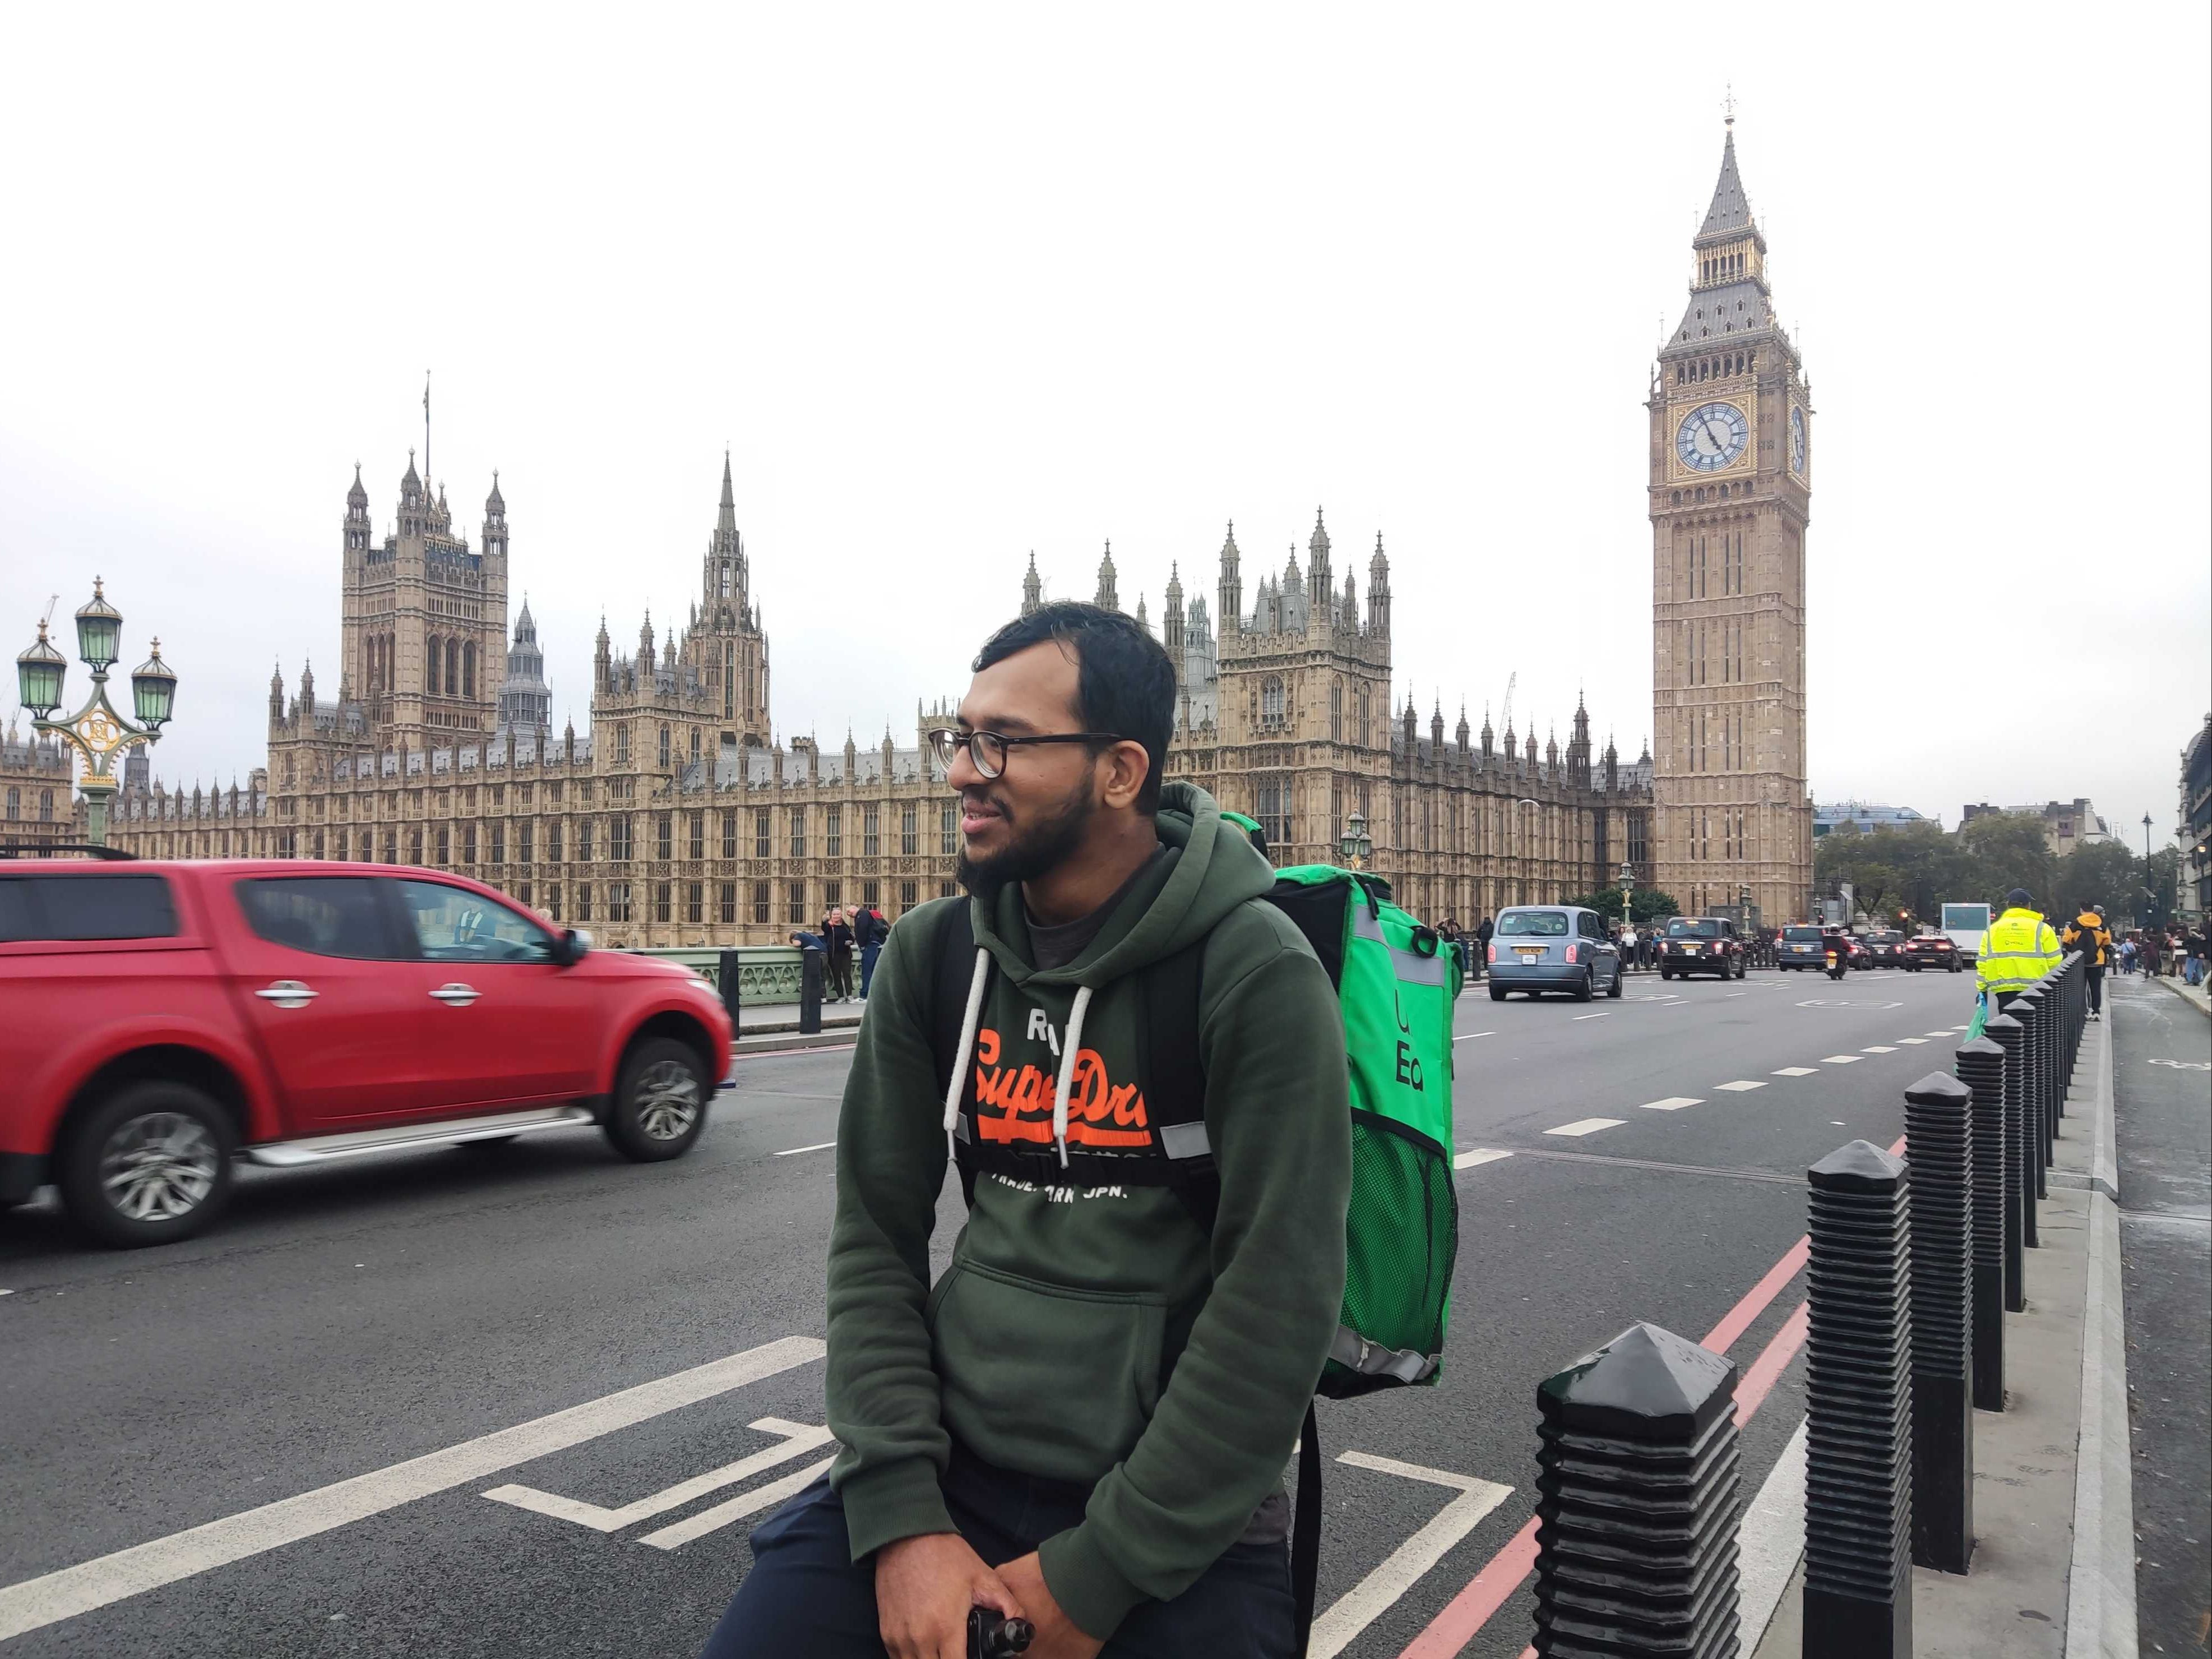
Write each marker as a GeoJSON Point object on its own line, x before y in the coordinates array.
{"type": "Point", "coordinates": [1466, 1613]}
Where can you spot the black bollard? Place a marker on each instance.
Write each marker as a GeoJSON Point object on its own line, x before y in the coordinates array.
{"type": "Point", "coordinates": [2028, 1009]}
{"type": "Point", "coordinates": [810, 991]}
{"type": "Point", "coordinates": [727, 974]}
{"type": "Point", "coordinates": [2006, 1033]}
{"type": "Point", "coordinates": [1980, 1066]}
{"type": "Point", "coordinates": [2054, 1067]}
{"type": "Point", "coordinates": [1938, 1164]}
{"type": "Point", "coordinates": [1858, 1405]}
{"type": "Point", "coordinates": [1637, 1501]}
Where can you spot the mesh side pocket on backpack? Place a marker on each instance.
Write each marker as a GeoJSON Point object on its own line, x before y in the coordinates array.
{"type": "Point", "coordinates": [1401, 1238]}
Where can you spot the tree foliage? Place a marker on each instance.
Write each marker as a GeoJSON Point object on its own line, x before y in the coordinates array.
{"type": "Point", "coordinates": [1912, 870]}
{"type": "Point", "coordinates": [1649, 905]}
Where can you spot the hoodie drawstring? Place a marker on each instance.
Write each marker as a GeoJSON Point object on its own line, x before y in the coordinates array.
{"type": "Point", "coordinates": [953, 1090]}
{"type": "Point", "coordinates": [1074, 1042]}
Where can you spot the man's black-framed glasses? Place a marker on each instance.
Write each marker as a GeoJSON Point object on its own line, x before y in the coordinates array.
{"type": "Point", "coordinates": [988, 750]}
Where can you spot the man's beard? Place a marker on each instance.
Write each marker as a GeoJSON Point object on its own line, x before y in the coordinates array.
{"type": "Point", "coordinates": [1042, 847]}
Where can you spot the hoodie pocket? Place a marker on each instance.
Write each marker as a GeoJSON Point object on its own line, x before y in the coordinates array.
{"type": "Point", "coordinates": [1042, 1378]}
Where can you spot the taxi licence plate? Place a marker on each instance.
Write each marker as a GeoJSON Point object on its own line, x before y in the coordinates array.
{"type": "Point", "coordinates": [1530, 953]}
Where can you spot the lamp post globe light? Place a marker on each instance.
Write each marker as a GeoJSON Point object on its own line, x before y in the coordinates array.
{"type": "Point", "coordinates": [1353, 845]}
{"type": "Point", "coordinates": [96, 731]}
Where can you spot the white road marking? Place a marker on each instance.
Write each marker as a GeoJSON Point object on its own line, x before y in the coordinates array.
{"type": "Point", "coordinates": [1736, 993]}
{"type": "Point", "coordinates": [818, 1146]}
{"type": "Point", "coordinates": [1772, 1538]}
{"type": "Point", "coordinates": [1358, 1606]}
{"type": "Point", "coordinates": [745, 1503]}
{"type": "Point", "coordinates": [1672, 1104]}
{"type": "Point", "coordinates": [1479, 1155]}
{"type": "Point", "coordinates": [1914, 1041]}
{"type": "Point", "coordinates": [1471, 1037]}
{"type": "Point", "coordinates": [798, 1440]}
{"type": "Point", "coordinates": [1797, 1071]}
{"type": "Point", "coordinates": [1741, 1087]}
{"type": "Point", "coordinates": [33, 1603]}
{"type": "Point", "coordinates": [1877, 1048]}
{"type": "Point", "coordinates": [1589, 1016]}
{"type": "Point", "coordinates": [1840, 1059]}
{"type": "Point", "coordinates": [1587, 1126]}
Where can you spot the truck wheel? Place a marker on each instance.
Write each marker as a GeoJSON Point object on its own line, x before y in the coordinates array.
{"type": "Point", "coordinates": [148, 1165]}
{"type": "Point", "coordinates": [660, 1102]}
{"type": "Point", "coordinates": [1497, 992]}
{"type": "Point", "coordinates": [1587, 988]}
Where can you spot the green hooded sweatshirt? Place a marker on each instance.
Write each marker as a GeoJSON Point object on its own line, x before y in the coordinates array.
{"type": "Point", "coordinates": [1094, 1335]}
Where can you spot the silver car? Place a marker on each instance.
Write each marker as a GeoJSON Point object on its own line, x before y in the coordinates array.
{"type": "Point", "coordinates": [1553, 947]}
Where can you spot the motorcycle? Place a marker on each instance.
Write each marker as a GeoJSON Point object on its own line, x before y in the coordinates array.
{"type": "Point", "coordinates": [1835, 963]}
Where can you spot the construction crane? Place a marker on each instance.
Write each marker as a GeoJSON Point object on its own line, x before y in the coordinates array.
{"type": "Point", "coordinates": [1512, 680]}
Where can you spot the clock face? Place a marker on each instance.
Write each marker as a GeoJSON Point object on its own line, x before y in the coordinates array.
{"type": "Point", "coordinates": [1797, 439]}
{"type": "Point", "coordinates": [1711, 435]}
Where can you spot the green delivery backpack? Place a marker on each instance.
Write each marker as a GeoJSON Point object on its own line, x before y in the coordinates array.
{"type": "Point", "coordinates": [1396, 981]}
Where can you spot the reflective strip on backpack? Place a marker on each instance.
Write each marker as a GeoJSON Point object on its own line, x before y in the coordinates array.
{"type": "Point", "coordinates": [1411, 968]}
{"type": "Point", "coordinates": [1180, 1141]}
{"type": "Point", "coordinates": [1356, 1353]}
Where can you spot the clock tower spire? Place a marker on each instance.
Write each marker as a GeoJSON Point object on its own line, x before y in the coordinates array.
{"type": "Point", "coordinates": [1730, 493]}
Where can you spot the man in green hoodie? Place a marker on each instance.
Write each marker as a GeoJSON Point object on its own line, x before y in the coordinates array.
{"type": "Point", "coordinates": [1084, 1422]}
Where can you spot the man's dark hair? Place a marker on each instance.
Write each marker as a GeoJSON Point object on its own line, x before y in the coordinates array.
{"type": "Point", "coordinates": [1124, 683]}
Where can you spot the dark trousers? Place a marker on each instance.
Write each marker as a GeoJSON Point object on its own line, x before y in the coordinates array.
{"type": "Point", "coordinates": [868, 955]}
{"type": "Point", "coordinates": [806, 1597]}
{"type": "Point", "coordinates": [2095, 978]}
{"type": "Point", "coordinates": [840, 974]}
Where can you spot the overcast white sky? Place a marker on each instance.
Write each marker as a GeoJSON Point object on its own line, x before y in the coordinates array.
{"type": "Point", "coordinates": [957, 284]}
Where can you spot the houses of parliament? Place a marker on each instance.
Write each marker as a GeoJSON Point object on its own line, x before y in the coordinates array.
{"type": "Point", "coordinates": [678, 819]}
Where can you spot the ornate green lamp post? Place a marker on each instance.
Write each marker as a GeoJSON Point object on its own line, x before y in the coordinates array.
{"type": "Point", "coordinates": [1627, 892]}
{"type": "Point", "coordinates": [96, 731]}
{"type": "Point", "coordinates": [1353, 845]}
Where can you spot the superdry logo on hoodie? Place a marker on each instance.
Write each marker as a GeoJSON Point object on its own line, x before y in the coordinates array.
{"type": "Point", "coordinates": [1014, 1102]}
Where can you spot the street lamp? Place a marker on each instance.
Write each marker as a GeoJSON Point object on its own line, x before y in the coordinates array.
{"type": "Point", "coordinates": [1627, 889]}
{"type": "Point", "coordinates": [96, 731]}
{"type": "Point", "coordinates": [1353, 845]}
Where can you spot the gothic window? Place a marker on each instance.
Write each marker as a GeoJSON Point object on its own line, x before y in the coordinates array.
{"type": "Point", "coordinates": [526, 839]}
{"type": "Point", "coordinates": [553, 842]}
{"type": "Point", "coordinates": [833, 832]}
{"type": "Point", "coordinates": [499, 842]}
{"type": "Point", "coordinates": [909, 896]}
{"type": "Point", "coordinates": [617, 901]}
{"type": "Point", "coordinates": [415, 846]}
{"type": "Point", "coordinates": [695, 900]}
{"type": "Point", "coordinates": [431, 659]}
{"type": "Point", "coordinates": [868, 847]}
{"type": "Point", "coordinates": [726, 903]}
{"type": "Point", "coordinates": [664, 833]}
{"type": "Point", "coordinates": [553, 900]}
{"type": "Point", "coordinates": [730, 838]}
{"type": "Point", "coordinates": [584, 840]}
{"type": "Point", "coordinates": [698, 836]}
{"type": "Point", "coordinates": [948, 830]}
{"type": "Point", "coordinates": [760, 835]}
{"type": "Point", "coordinates": [1366, 733]}
{"type": "Point", "coordinates": [795, 903]}
{"type": "Point", "coordinates": [1274, 810]}
{"type": "Point", "coordinates": [909, 837]}
{"type": "Point", "coordinates": [799, 832]}
{"type": "Point", "coordinates": [15, 801]}
{"type": "Point", "coordinates": [619, 838]}
{"type": "Point", "coordinates": [664, 745]}
{"type": "Point", "coordinates": [452, 678]}
{"type": "Point", "coordinates": [1271, 700]}
{"type": "Point", "coordinates": [622, 743]}
{"type": "Point", "coordinates": [660, 899]}
{"type": "Point", "coordinates": [1336, 713]}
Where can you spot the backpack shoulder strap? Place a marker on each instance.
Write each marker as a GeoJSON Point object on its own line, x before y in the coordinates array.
{"type": "Point", "coordinates": [1173, 1070]}
{"type": "Point", "coordinates": [952, 964]}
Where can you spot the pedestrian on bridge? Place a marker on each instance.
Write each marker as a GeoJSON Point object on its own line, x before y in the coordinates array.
{"type": "Point", "coordinates": [2086, 933]}
{"type": "Point", "coordinates": [2019, 948]}
{"type": "Point", "coordinates": [1084, 1422]}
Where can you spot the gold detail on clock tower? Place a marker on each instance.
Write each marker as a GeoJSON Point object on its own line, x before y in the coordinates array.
{"type": "Point", "coordinates": [1730, 497]}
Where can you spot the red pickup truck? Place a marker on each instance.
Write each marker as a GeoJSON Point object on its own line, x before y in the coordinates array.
{"type": "Point", "coordinates": [158, 1020]}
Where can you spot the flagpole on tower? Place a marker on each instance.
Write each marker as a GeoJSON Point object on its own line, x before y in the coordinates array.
{"type": "Point", "coordinates": [426, 474]}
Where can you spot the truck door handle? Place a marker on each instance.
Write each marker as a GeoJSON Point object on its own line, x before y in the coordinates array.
{"type": "Point", "coordinates": [456, 995]}
{"type": "Point", "coordinates": [288, 993]}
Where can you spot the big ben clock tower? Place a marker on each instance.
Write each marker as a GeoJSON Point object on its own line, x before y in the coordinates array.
{"type": "Point", "coordinates": [1731, 485]}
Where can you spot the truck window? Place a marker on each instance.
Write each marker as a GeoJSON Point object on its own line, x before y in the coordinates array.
{"type": "Point", "coordinates": [1534, 924]}
{"type": "Point", "coordinates": [452, 924]}
{"type": "Point", "coordinates": [78, 908]}
{"type": "Point", "coordinates": [325, 915]}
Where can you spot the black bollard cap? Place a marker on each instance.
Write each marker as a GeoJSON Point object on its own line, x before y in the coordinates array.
{"type": "Point", "coordinates": [1938, 1089]}
{"type": "Point", "coordinates": [2002, 1023]}
{"type": "Point", "coordinates": [1646, 1384]}
{"type": "Point", "coordinates": [1982, 1045]}
{"type": "Point", "coordinates": [1860, 1167]}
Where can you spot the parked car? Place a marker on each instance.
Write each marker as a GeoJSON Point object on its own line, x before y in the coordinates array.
{"type": "Point", "coordinates": [164, 1019]}
{"type": "Point", "coordinates": [1701, 944]}
{"type": "Point", "coordinates": [1553, 947]}
{"type": "Point", "coordinates": [1929, 951]}
{"type": "Point", "coordinates": [1884, 947]}
{"type": "Point", "coordinates": [1804, 946]}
